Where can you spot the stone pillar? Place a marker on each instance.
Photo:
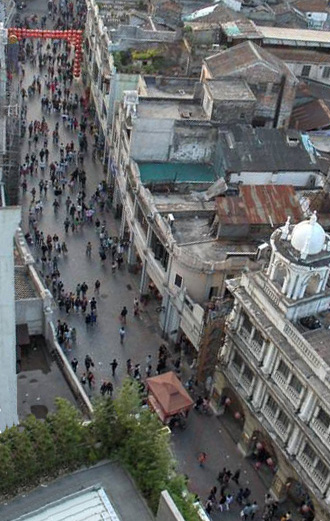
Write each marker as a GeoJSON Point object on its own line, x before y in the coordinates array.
{"type": "Point", "coordinates": [9, 221]}
{"type": "Point", "coordinates": [269, 359]}
{"type": "Point", "coordinates": [308, 406]}
{"type": "Point", "coordinates": [131, 254]}
{"type": "Point", "coordinates": [294, 441]}
{"type": "Point", "coordinates": [258, 395]}
{"type": "Point", "coordinates": [144, 282]}
{"type": "Point", "coordinates": [245, 444]}
{"type": "Point", "coordinates": [122, 224]}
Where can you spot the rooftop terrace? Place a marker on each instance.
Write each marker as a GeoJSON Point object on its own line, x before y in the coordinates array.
{"type": "Point", "coordinates": [170, 109]}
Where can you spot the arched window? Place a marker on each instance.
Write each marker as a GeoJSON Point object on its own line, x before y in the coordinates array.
{"type": "Point", "coordinates": [312, 285]}
{"type": "Point", "coordinates": [281, 274]}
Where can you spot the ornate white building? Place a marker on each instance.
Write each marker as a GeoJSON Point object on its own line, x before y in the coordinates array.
{"type": "Point", "coordinates": [274, 367]}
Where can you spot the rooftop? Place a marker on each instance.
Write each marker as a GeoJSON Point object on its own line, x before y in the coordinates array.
{"type": "Point", "coordinates": [176, 173]}
{"type": "Point", "coordinates": [300, 55]}
{"type": "Point", "coordinates": [100, 493]}
{"type": "Point", "coordinates": [241, 27]}
{"type": "Point", "coordinates": [24, 288]}
{"type": "Point", "coordinates": [230, 89]}
{"type": "Point", "coordinates": [238, 59]}
{"type": "Point", "coordinates": [260, 204]}
{"type": "Point", "coordinates": [164, 86]}
{"type": "Point", "coordinates": [262, 149]}
{"type": "Point", "coordinates": [308, 36]}
{"type": "Point", "coordinates": [315, 6]}
{"type": "Point", "coordinates": [314, 115]}
{"type": "Point", "coordinates": [170, 109]}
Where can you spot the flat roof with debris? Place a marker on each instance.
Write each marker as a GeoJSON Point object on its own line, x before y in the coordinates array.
{"type": "Point", "coordinates": [170, 109]}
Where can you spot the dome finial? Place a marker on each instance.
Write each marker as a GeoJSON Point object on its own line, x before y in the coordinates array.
{"type": "Point", "coordinates": [286, 228]}
{"type": "Point", "coordinates": [313, 218]}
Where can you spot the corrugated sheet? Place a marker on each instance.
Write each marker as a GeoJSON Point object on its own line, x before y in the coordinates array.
{"type": "Point", "coordinates": [260, 204]}
{"type": "Point", "coordinates": [311, 116]}
{"type": "Point", "coordinates": [89, 505]}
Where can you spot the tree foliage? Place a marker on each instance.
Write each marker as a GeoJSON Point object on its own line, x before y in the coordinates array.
{"type": "Point", "coordinates": [121, 428]}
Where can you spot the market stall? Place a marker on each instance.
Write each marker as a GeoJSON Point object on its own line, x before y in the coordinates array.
{"type": "Point", "coordinates": [168, 397]}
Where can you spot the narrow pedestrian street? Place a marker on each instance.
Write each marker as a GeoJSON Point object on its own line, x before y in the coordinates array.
{"type": "Point", "coordinates": [102, 340]}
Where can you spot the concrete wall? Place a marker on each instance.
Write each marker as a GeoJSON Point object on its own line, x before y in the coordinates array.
{"type": "Point", "coordinates": [167, 509]}
{"type": "Point", "coordinates": [316, 72]}
{"type": "Point", "coordinates": [30, 312]}
{"type": "Point", "coordinates": [298, 179]}
{"type": "Point", "coordinates": [228, 112]}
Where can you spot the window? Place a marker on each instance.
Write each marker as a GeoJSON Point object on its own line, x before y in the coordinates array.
{"type": "Point", "coordinates": [306, 71]}
{"type": "Point", "coordinates": [271, 404]}
{"type": "Point", "coordinates": [247, 374]}
{"type": "Point", "coordinates": [246, 323]}
{"type": "Point", "coordinates": [237, 361]}
{"type": "Point", "coordinates": [326, 72]}
{"type": "Point", "coordinates": [178, 280]}
{"type": "Point", "coordinates": [283, 369]}
{"type": "Point", "coordinates": [295, 384]}
{"type": "Point", "coordinates": [258, 338]}
{"type": "Point", "coordinates": [283, 419]}
{"type": "Point", "coordinates": [322, 469]}
{"type": "Point", "coordinates": [213, 291]}
{"type": "Point", "coordinates": [324, 418]}
{"type": "Point", "coordinates": [309, 452]}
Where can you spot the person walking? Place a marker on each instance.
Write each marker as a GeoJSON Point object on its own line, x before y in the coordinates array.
{"type": "Point", "coordinates": [122, 334]}
{"type": "Point", "coordinates": [254, 509]}
{"type": "Point", "coordinates": [114, 365]}
{"type": "Point", "coordinates": [123, 315]}
{"type": "Point", "coordinates": [74, 364]}
{"type": "Point", "coordinates": [88, 362]}
{"type": "Point", "coordinates": [246, 512]}
{"type": "Point", "coordinates": [201, 459]}
{"type": "Point", "coordinates": [129, 367]}
{"type": "Point", "coordinates": [89, 249]}
{"type": "Point", "coordinates": [235, 476]}
{"type": "Point", "coordinates": [97, 286]}
{"type": "Point", "coordinates": [136, 307]}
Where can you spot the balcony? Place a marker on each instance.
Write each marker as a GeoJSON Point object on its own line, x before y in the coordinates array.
{"type": "Point", "coordinates": [278, 426]}
{"type": "Point", "coordinates": [287, 389]}
{"type": "Point", "coordinates": [319, 479]}
{"type": "Point", "coordinates": [321, 430]}
{"type": "Point", "coordinates": [253, 346]}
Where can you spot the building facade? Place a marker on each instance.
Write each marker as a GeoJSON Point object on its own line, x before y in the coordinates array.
{"type": "Point", "coordinates": [273, 375]}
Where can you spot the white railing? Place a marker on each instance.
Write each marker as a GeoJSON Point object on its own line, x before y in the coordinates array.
{"type": "Point", "coordinates": [287, 389]}
{"type": "Point", "coordinates": [244, 334]}
{"type": "Point", "coordinates": [321, 430]}
{"type": "Point", "coordinates": [320, 481]}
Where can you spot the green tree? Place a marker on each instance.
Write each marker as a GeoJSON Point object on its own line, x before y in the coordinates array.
{"type": "Point", "coordinates": [7, 469]}
{"type": "Point", "coordinates": [177, 487]}
{"type": "Point", "coordinates": [39, 434]}
{"type": "Point", "coordinates": [68, 433]}
{"type": "Point", "coordinates": [24, 457]}
{"type": "Point", "coordinates": [105, 427]}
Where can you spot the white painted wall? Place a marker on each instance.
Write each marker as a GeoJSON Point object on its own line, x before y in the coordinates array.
{"type": "Point", "coordinates": [9, 221]}
{"type": "Point", "coordinates": [299, 179]}
{"type": "Point", "coordinates": [316, 72]}
{"type": "Point", "coordinates": [30, 312]}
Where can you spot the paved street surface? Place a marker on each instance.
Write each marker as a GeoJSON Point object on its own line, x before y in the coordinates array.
{"type": "Point", "coordinates": [117, 290]}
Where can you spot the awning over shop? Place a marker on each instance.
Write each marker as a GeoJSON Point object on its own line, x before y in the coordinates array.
{"type": "Point", "coordinates": [22, 335]}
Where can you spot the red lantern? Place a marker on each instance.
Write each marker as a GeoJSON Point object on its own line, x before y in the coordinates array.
{"type": "Point", "coordinates": [258, 465]}
{"type": "Point", "coordinates": [237, 415]}
{"type": "Point", "coordinates": [305, 508]}
{"type": "Point", "coordinates": [269, 462]}
{"type": "Point", "coordinates": [227, 401]}
{"type": "Point", "coordinates": [259, 445]}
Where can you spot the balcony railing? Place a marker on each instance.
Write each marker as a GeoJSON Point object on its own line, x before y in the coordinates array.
{"type": "Point", "coordinates": [321, 429]}
{"type": "Point", "coordinates": [254, 346]}
{"type": "Point", "coordinates": [279, 427]}
{"type": "Point", "coordinates": [319, 479]}
{"type": "Point", "coordinates": [287, 389]}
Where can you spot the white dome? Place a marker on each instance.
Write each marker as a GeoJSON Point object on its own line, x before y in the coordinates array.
{"type": "Point", "coordinates": [308, 237]}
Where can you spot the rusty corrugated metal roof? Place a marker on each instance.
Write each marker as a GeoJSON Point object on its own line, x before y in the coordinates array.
{"type": "Point", "coordinates": [314, 115]}
{"type": "Point", "coordinates": [260, 204]}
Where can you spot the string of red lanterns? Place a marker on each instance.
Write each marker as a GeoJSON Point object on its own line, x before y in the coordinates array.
{"type": "Point", "coordinates": [73, 36]}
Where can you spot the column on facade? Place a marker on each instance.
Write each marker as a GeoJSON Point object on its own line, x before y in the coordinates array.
{"type": "Point", "coordinates": [234, 317]}
{"type": "Point", "coordinates": [131, 254]}
{"type": "Point", "coordinates": [258, 394]}
{"type": "Point", "coordinates": [291, 286]}
{"type": "Point", "coordinates": [122, 224]}
{"type": "Point", "coordinates": [269, 359]}
{"type": "Point", "coordinates": [308, 406]}
{"type": "Point", "coordinates": [294, 441]}
{"type": "Point", "coordinates": [144, 282]}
